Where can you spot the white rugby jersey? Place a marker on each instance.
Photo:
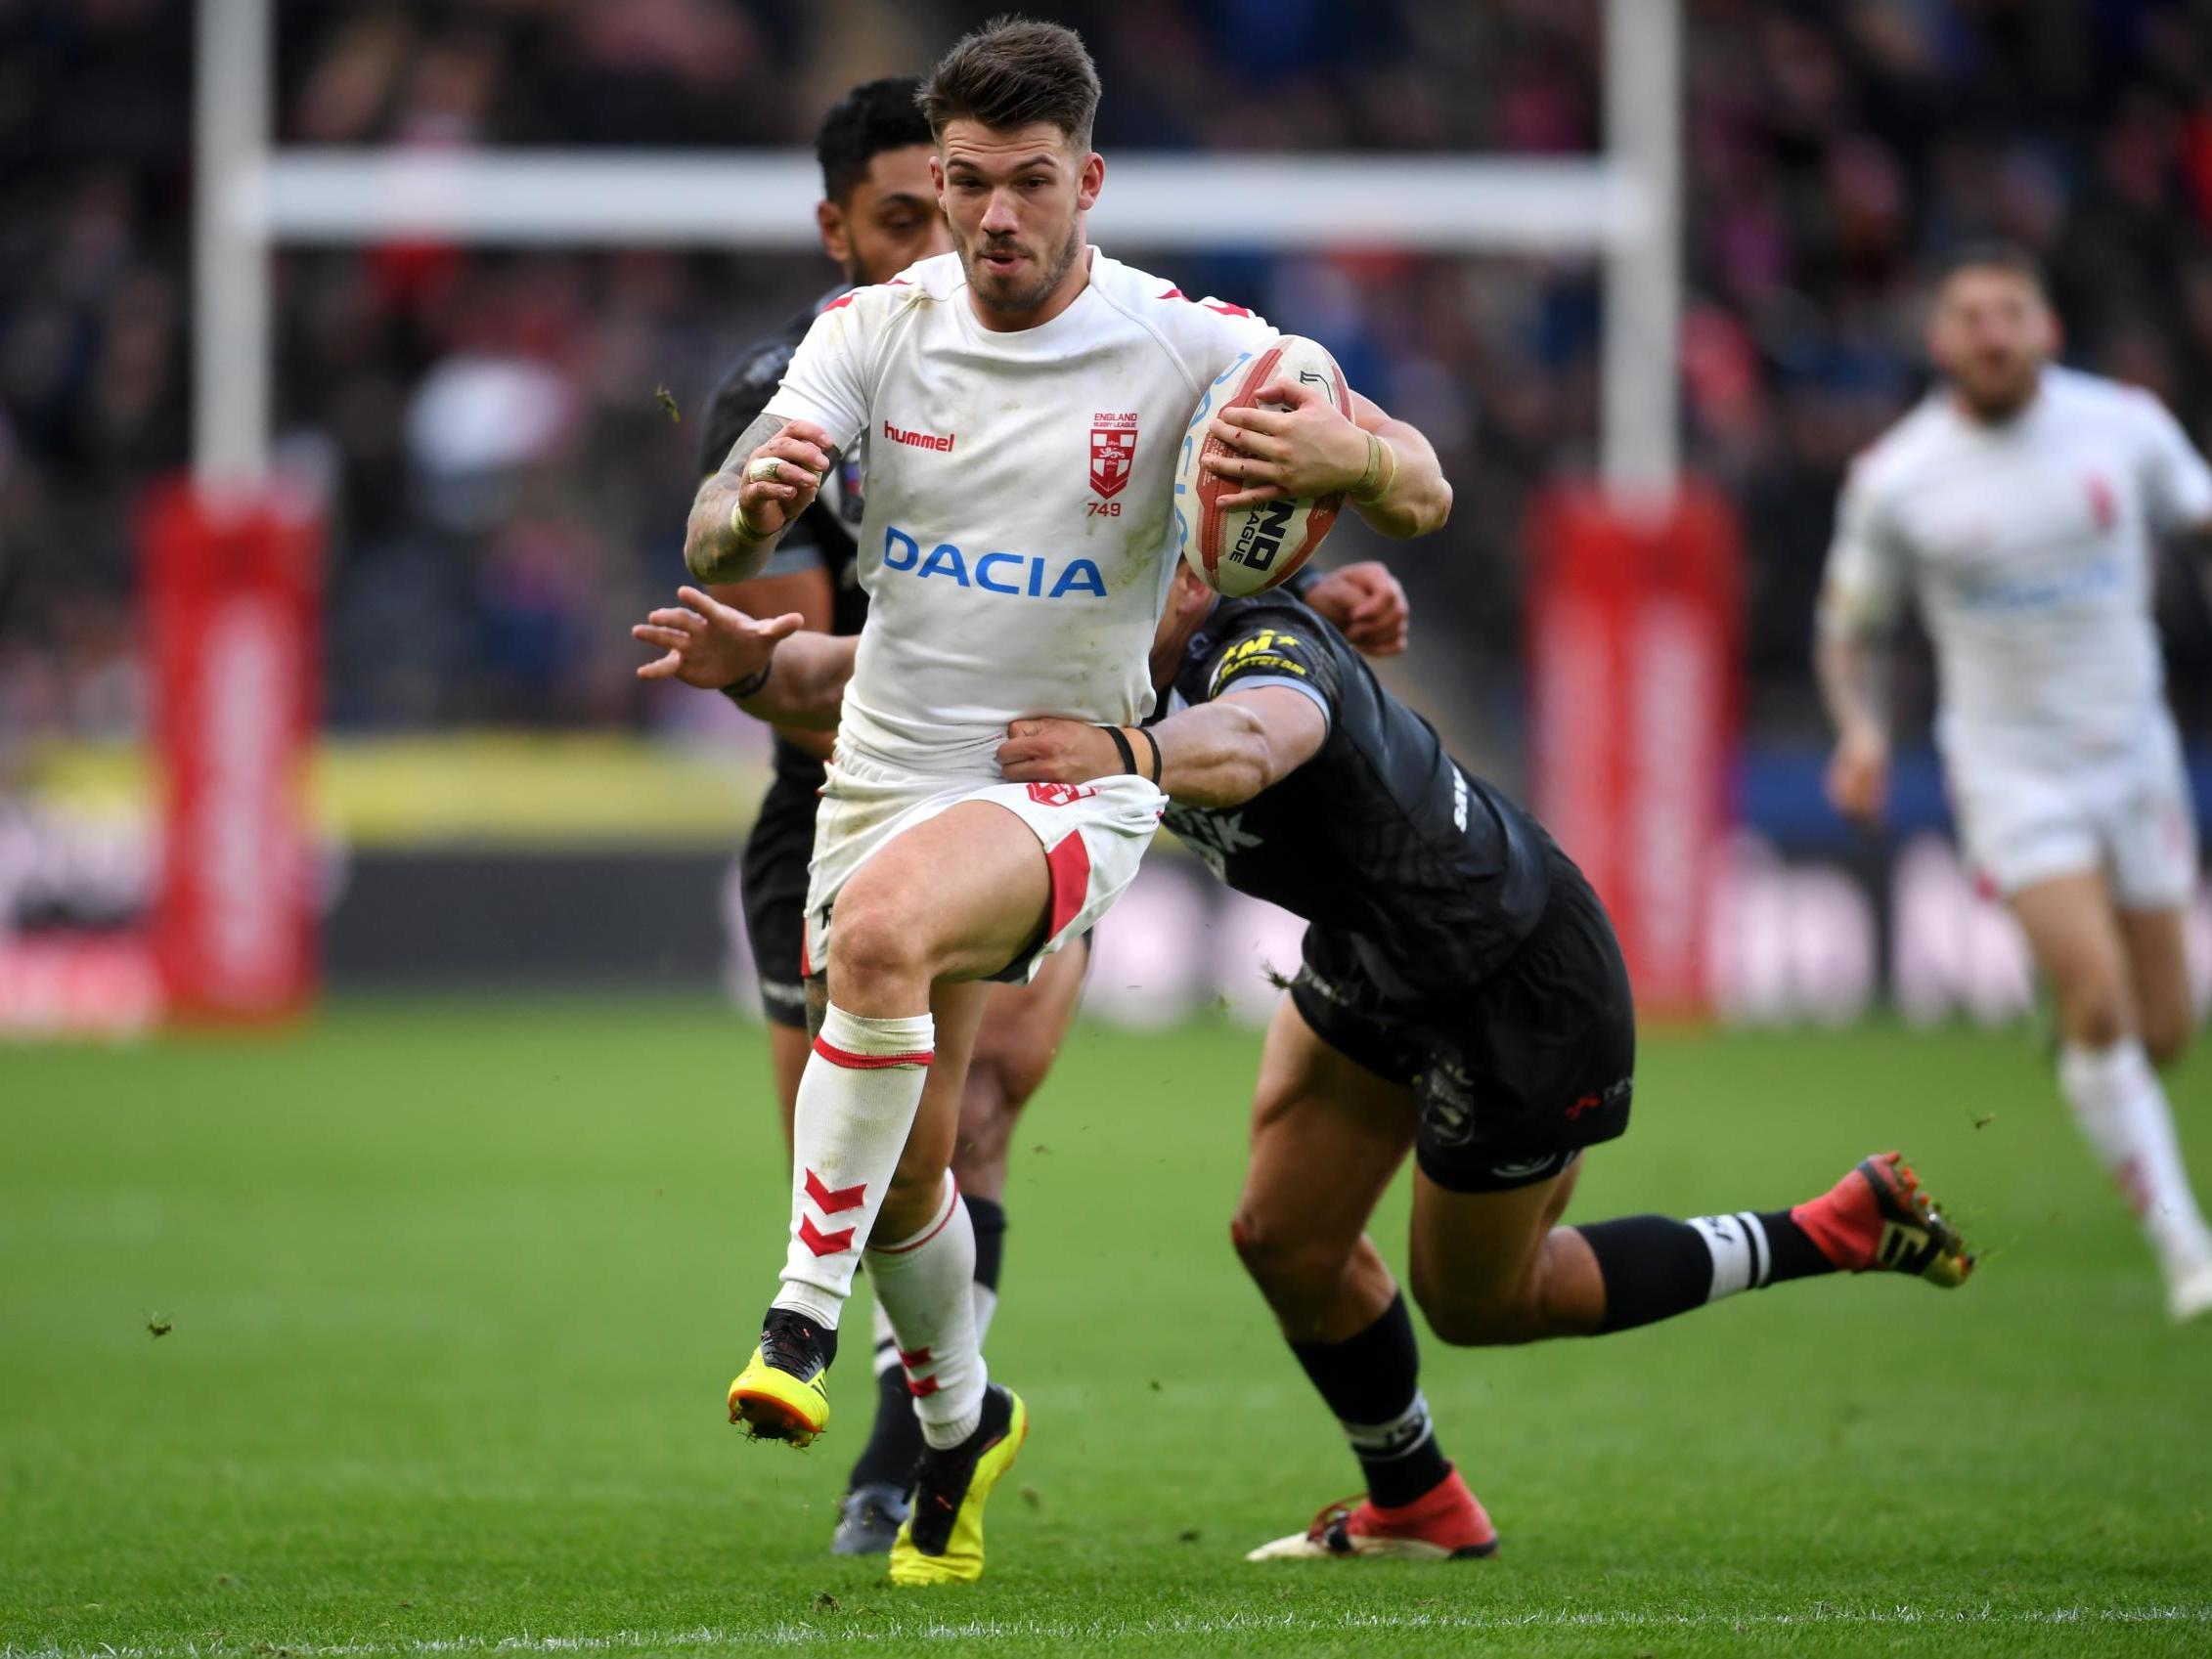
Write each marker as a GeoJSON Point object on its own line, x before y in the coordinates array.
{"type": "Point", "coordinates": [2028, 548]}
{"type": "Point", "coordinates": [1018, 539]}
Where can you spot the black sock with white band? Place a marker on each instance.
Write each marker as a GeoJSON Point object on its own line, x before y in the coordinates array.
{"type": "Point", "coordinates": [1654, 1267]}
{"type": "Point", "coordinates": [1371, 1381]}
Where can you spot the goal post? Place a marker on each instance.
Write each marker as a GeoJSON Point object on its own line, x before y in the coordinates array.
{"type": "Point", "coordinates": [1618, 206]}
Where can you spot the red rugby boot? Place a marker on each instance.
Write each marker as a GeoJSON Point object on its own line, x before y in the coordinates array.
{"type": "Point", "coordinates": [1877, 1220]}
{"type": "Point", "coordinates": [1446, 1523]}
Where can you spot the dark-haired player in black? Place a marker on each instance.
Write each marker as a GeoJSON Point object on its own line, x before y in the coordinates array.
{"type": "Point", "coordinates": [878, 215]}
{"type": "Point", "coordinates": [1462, 997]}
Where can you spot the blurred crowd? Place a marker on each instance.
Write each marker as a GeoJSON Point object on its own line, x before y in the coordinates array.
{"type": "Point", "coordinates": [510, 484]}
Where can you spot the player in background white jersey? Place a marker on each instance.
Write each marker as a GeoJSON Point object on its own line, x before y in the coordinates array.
{"type": "Point", "coordinates": [1021, 403]}
{"type": "Point", "coordinates": [2017, 505]}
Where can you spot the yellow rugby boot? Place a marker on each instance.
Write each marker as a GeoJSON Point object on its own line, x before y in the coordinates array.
{"type": "Point", "coordinates": [941, 1539]}
{"type": "Point", "coordinates": [783, 1392]}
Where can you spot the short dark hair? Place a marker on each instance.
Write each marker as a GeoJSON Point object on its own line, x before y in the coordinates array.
{"type": "Point", "coordinates": [875, 117]}
{"type": "Point", "coordinates": [1991, 255]}
{"type": "Point", "coordinates": [1013, 72]}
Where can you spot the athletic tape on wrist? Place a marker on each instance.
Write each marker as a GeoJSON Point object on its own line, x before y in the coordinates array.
{"type": "Point", "coordinates": [743, 526]}
{"type": "Point", "coordinates": [1381, 474]}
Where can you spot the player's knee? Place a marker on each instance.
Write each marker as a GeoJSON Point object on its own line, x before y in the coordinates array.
{"type": "Point", "coordinates": [1474, 1315]}
{"type": "Point", "coordinates": [1293, 1271]}
{"type": "Point", "coordinates": [1014, 1071]}
{"type": "Point", "coordinates": [872, 943]}
{"type": "Point", "coordinates": [2166, 1036]}
{"type": "Point", "coordinates": [2094, 1014]}
{"type": "Point", "coordinates": [987, 1128]}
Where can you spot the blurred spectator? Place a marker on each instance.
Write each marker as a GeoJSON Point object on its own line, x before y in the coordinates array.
{"type": "Point", "coordinates": [509, 490]}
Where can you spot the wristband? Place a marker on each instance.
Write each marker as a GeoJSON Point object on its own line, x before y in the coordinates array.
{"type": "Point", "coordinates": [750, 687]}
{"type": "Point", "coordinates": [1382, 472]}
{"type": "Point", "coordinates": [1122, 747]}
{"type": "Point", "coordinates": [1145, 732]}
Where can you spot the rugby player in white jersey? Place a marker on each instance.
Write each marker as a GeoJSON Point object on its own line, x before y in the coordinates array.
{"type": "Point", "coordinates": [1021, 403]}
{"type": "Point", "coordinates": [879, 214]}
{"type": "Point", "coordinates": [2017, 505]}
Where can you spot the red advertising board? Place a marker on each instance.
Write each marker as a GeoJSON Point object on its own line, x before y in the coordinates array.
{"type": "Point", "coordinates": [1633, 658]}
{"type": "Point", "coordinates": [232, 595]}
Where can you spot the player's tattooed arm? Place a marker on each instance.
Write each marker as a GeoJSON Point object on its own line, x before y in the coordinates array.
{"type": "Point", "coordinates": [1218, 754]}
{"type": "Point", "coordinates": [775, 670]}
{"type": "Point", "coordinates": [770, 477]}
{"type": "Point", "coordinates": [1849, 661]}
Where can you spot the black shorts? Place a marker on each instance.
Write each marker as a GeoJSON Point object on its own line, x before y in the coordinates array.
{"type": "Point", "coordinates": [1536, 1062]}
{"type": "Point", "coordinates": [774, 878]}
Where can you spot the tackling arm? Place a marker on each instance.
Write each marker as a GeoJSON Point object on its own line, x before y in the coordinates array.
{"type": "Point", "coordinates": [1216, 754]}
{"type": "Point", "coordinates": [809, 593]}
{"type": "Point", "coordinates": [773, 671]}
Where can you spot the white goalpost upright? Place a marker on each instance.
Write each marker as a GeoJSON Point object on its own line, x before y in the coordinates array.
{"type": "Point", "coordinates": [255, 196]}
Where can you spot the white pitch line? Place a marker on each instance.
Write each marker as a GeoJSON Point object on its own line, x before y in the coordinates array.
{"type": "Point", "coordinates": [896, 1628]}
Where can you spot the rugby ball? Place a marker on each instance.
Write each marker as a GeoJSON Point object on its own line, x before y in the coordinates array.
{"type": "Point", "coordinates": [1249, 550]}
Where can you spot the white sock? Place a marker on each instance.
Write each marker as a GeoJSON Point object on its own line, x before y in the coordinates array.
{"type": "Point", "coordinates": [1742, 1257]}
{"type": "Point", "coordinates": [926, 1284]}
{"type": "Point", "coordinates": [886, 1344]}
{"type": "Point", "coordinates": [857, 1102]}
{"type": "Point", "coordinates": [986, 1304]}
{"type": "Point", "coordinates": [2122, 1108]}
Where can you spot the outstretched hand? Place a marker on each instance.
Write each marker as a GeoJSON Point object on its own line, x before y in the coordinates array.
{"type": "Point", "coordinates": [1309, 449]}
{"type": "Point", "coordinates": [710, 644]}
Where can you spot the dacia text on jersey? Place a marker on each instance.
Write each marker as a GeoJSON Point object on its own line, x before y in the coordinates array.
{"type": "Point", "coordinates": [1030, 575]}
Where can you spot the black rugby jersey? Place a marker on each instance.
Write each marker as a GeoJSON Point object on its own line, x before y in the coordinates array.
{"type": "Point", "coordinates": [826, 536]}
{"type": "Point", "coordinates": [1435, 874]}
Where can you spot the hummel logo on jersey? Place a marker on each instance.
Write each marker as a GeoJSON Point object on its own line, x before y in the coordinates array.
{"type": "Point", "coordinates": [1031, 576]}
{"type": "Point", "coordinates": [942, 442]}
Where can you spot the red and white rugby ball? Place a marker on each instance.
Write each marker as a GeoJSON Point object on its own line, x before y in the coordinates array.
{"type": "Point", "coordinates": [1249, 550]}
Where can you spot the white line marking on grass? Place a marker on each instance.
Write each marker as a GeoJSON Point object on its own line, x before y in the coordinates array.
{"type": "Point", "coordinates": [869, 1625]}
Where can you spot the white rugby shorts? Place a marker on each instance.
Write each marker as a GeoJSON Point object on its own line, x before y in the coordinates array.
{"type": "Point", "coordinates": [2128, 814]}
{"type": "Point", "coordinates": [1094, 835]}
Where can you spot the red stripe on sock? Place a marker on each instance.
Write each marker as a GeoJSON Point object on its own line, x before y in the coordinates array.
{"type": "Point", "coordinates": [917, 1244]}
{"type": "Point", "coordinates": [871, 1062]}
{"type": "Point", "coordinates": [923, 1389]}
{"type": "Point", "coordinates": [921, 1355]}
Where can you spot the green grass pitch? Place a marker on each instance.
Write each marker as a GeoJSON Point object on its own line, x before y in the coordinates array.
{"type": "Point", "coordinates": [453, 1292]}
